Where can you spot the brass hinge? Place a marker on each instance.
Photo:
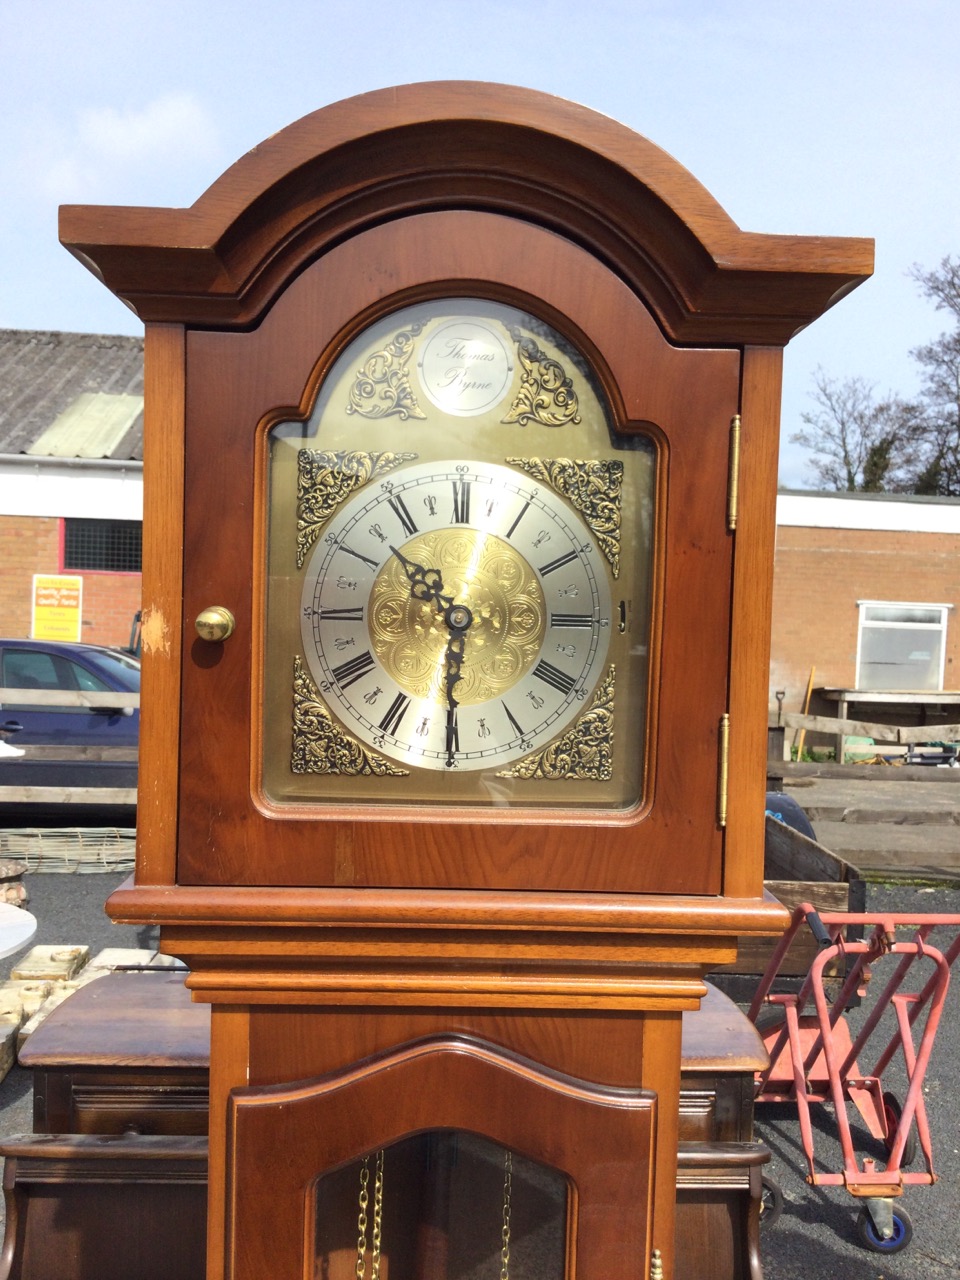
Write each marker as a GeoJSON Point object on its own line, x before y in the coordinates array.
{"type": "Point", "coordinates": [656, 1266]}
{"type": "Point", "coordinates": [724, 769]}
{"type": "Point", "coordinates": [733, 477]}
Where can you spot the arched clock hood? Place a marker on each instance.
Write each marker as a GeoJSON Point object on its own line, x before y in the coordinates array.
{"type": "Point", "coordinates": [462, 145]}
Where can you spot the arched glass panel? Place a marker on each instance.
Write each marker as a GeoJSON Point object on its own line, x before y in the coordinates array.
{"type": "Point", "coordinates": [459, 566]}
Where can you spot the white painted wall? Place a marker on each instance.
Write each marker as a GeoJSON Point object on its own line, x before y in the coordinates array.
{"type": "Point", "coordinates": [854, 511]}
{"type": "Point", "coordinates": [96, 493]}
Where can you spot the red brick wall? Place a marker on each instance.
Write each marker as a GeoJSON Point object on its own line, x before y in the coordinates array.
{"type": "Point", "coordinates": [821, 574]}
{"type": "Point", "coordinates": [26, 547]}
{"type": "Point", "coordinates": [109, 602]}
{"type": "Point", "coordinates": [30, 545]}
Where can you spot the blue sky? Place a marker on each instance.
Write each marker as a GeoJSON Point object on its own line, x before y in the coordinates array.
{"type": "Point", "coordinates": [817, 118]}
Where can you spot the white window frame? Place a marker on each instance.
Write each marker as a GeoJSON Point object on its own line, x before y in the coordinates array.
{"type": "Point", "coordinates": [940, 627]}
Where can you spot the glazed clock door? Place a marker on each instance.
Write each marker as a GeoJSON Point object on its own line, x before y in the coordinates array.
{"type": "Point", "coordinates": [443, 1158]}
{"type": "Point", "coordinates": [451, 489]}
{"type": "Point", "coordinates": [440, 609]}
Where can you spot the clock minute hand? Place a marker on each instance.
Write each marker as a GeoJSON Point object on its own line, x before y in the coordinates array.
{"type": "Point", "coordinates": [427, 585]}
{"type": "Point", "coordinates": [451, 675]}
{"type": "Point", "coordinates": [458, 619]}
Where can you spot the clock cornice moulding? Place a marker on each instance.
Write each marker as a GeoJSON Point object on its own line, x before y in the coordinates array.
{"type": "Point", "coordinates": [222, 261]}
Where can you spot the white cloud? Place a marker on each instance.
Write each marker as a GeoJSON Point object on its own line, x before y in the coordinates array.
{"type": "Point", "coordinates": [112, 154]}
{"type": "Point", "coordinates": [168, 126]}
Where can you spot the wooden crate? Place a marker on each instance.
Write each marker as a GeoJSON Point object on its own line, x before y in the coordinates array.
{"type": "Point", "coordinates": [796, 869]}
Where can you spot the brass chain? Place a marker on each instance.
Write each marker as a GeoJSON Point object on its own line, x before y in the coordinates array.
{"type": "Point", "coordinates": [377, 1217]}
{"type": "Point", "coordinates": [362, 1218]}
{"type": "Point", "coordinates": [505, 1232]}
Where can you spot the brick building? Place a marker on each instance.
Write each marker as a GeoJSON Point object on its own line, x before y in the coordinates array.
{"type": "Point", "coordinates": [71, 485]}
{"type": "Point", "coordinates": [866, 590]}
{"type": "Point", "coordinates": [866, 586]}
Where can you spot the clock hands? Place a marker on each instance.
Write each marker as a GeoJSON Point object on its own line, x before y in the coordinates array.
{"type": "Point", "coordinates": [427, 585]}
{"type": "Point", "coordinates": [458, 619]}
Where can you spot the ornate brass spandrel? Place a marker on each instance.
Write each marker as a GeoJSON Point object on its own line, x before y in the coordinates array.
{"type": "Point", "coordinates": [326, 478]}
{"type": "Point", "coordinates": [382, 387]}
{"type": "Point", "coordinates": [321, 746]}
{"type": "Point", "coordinates": [490, 578]}
{"type": "Point", "coordinates": [546, 394]}
{"type": "Point", "coordinates": [594, 487]}
{"type": "Point", "coordinates": [584, 752]}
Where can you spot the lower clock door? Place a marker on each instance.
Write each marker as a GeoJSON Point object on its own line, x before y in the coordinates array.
{"type": "Point", "coordinates": [442, 1203]}
{"type": "Point", "coordinates": [447, 1158]}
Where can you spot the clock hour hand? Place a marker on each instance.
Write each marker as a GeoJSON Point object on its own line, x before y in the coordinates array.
{"type": "Point", "coordinates": [425, 584]}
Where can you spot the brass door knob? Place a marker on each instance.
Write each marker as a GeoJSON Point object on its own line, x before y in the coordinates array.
{"type": "Point", "coordinates": [215, 623]}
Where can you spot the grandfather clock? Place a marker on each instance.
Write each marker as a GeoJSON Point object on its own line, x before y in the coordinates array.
{"type": "Point", "coordinates": [460, 463]}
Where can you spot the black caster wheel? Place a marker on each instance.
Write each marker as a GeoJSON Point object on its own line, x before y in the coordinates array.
{"type": "Point", "coordinates": [893, 1110]}
{"type": "Point", "coordinates": [771, 1203]}
{"type": "Point", "coordinates": [902, 1232]}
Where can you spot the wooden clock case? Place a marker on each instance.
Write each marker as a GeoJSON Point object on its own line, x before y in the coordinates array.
{"type": "Point", "coordinates": [371, 977]}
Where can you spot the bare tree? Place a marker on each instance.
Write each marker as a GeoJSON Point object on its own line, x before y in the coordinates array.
{"type": "Point", "coordinates": [859, 443]}
{"type": "Point", "coordinates": [940, 396]}
{"type": "Point", "coordinates": [941, 285]}
{"type": "Point", "coordinates": [863, 444]}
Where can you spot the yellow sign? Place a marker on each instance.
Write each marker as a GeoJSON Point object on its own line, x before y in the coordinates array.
{"type": "Point", "coordinates": [56, 607]}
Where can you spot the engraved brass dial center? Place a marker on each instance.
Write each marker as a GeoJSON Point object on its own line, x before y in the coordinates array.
{"type": "Point", "coordinates": [496, 594]}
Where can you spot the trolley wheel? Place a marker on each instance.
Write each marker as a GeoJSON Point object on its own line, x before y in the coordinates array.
{"type": "Point", "coordinates": [893, 1111]}
{"type": "Point", "coordinates": [771, 1202]}
{"type": "Point", "coordinates": [902, 1232]}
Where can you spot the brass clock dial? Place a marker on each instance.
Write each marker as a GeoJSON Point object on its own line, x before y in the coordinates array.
{"type": "Point", "coordinates": [456, 615]}
{"type": "Point", "coordinates": [459, 551]}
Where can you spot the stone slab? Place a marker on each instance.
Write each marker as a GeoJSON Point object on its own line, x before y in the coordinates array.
{"type": "Point", "coordinates": [55, 963]}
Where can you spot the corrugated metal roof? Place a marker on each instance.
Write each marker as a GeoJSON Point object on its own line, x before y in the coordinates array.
{"type": "Point", "coordinates": [44, 374]}
{"type": "Point", "coordinates": [91, 427]}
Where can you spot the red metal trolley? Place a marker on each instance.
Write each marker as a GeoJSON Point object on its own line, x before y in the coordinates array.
{"type": "Point", "coordinates": [814, 1058]}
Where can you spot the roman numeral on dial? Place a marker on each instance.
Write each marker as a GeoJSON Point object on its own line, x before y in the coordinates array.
{"type": "Point", "coordinates": [349, 673]}
{"type": "Point", "coordinates": [517, 728]}
{"type": "Point", "coordinates": [357, 556]}
{"type": "Point", "coordinates": [461, 502]}
{"type": "Point", "coordinates": [571, 619]}
{"type": "Point", "coordinates": [399, 508]}
{"type": "Point", "coordinates": [395, 713]}
{"type": "Point", "coordinates": [558, 563]}
{"type": "Point", "coordinates": [553, 676]}
{"type": "Point", "coordinates": [341, 615]}
{"type": "Point", "coordinates": [523, 511]}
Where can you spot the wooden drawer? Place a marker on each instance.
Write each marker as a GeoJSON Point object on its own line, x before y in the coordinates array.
{"type": "Point", "coordinates": [138, 1100]}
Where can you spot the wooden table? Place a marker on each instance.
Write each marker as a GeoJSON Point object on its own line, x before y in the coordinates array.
{"type": "Point", "coordinates": [120, 1100]}
{"type": "Point", "coordinates": [17, 927]}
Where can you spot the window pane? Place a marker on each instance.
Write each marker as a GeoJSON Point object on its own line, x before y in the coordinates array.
{"type": "Point", "coordinates": [85, 679]}
{"type": "Point", "coordinates": [900, 658]}
{"type": "Point", "coordinates": [902, 614]}
{"type": "Point", "coordinates": [112, 546]}
{"type": "Point", "coordinates": [25, 669]}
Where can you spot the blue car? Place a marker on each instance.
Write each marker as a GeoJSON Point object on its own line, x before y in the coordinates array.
{"type": "Point", "coordinates": [75, 669]}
